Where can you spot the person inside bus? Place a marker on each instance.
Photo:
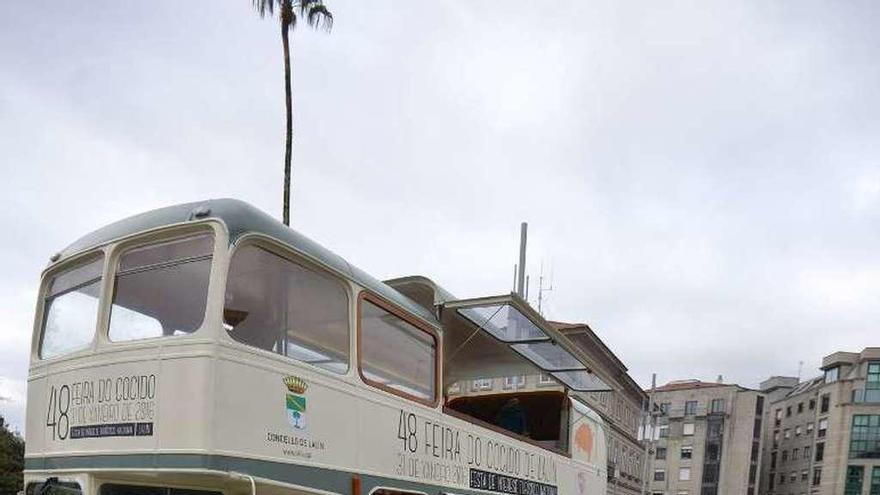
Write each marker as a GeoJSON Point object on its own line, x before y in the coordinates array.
{"type": "Point", "coordinates": [512, 417]}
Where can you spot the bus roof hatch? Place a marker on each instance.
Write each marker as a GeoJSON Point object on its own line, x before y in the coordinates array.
{"type": "Point", "coordinates": [493, 325]}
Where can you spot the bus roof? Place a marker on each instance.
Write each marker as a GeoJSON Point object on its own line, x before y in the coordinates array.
{"type": "Point", "coordinates": [240, 219]}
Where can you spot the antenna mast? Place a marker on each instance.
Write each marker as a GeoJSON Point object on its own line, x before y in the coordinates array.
{"type": "Point", "coordinates": [521, 281]}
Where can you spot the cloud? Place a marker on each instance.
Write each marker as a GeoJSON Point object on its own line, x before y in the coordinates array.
{"type": "Point", "coordinates": [701, 179]}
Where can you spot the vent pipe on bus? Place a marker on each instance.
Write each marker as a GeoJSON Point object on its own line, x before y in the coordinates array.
{"type": "Point", "coordinates": [521, 281]}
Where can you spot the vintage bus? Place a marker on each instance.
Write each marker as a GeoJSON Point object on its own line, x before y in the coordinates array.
{"type": "Point", "coordinates": [206, 349]}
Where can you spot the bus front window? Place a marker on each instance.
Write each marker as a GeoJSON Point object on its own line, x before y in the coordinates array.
{"type": "Point", "coordinates": [71, 309]}
{"type": "Point", "coordinates": [161, 289]}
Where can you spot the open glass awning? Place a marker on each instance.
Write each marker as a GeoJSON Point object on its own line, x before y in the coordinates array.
{"type": "Point", "coordinates": [507, 323]}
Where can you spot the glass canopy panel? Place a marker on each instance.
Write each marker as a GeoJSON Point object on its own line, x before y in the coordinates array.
{"type": "Point", "coordinates": [582, 381]}
{"type": "Point", "coordinates": [504, 322]}
{"type": "Point", "coordinates": [549, 356]}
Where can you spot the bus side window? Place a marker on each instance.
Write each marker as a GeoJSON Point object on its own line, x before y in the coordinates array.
{"type": "Point", "coordinates": [395, 354]}
{"type": "Point", "coordinates": [277, 305]}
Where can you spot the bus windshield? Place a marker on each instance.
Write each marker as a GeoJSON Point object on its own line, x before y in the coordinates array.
{"type": "Point", "coordinates": [161, 289]}
{"type": "Point", "coordinates": [71, 309]}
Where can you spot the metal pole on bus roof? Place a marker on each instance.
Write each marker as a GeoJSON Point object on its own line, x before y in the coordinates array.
{"type": "Point", "coordinates": [520, 284]}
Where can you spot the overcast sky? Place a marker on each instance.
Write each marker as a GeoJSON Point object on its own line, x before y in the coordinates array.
{"type": "Point", "coordinates": [701, 178]}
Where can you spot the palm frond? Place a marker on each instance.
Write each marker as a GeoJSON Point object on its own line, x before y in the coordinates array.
{"type": "Point", "coordinates": [264, 7]}
{"type": "Point", "coordinates": [319, 16]}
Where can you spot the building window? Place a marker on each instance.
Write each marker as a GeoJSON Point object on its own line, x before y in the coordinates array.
{"type": "Point", "coordinates": [817, 476]}
{"type": "Point", "coordinates": [823, 427]}
{"type": "Point", "coordinates": [713, 453]}
{"type": "Point", "coordinates": [687, 429]}
{"type": "Point", "coordinates": [717, 406]}
{"type": "Point", "coordinates": [661, 453]}
{"type": "Point", "coordinates": [824, 404]}
{"type": "Point", "coordinates": [797, 430]}
{"type": "Point", "coordinates": [792, 477]}
{"type": "Point", "coordinates": [511, 382]}
{"type": "Point", "coordinates": [812, 404]}
{"type": "Point", "coordinates": [775, 439]}
{"type": "Point", "coordinates": [684, 474]}
{"type": "Point", "coordinates": [800, 407]}
{"type": "Point", "coordinates": [820, 451]}
{"type": "Point", "coordinates": [873, 378]}
{"type": "Point", "coordinates": [482, 384]}
{"type": "Point", "coordinates": [784, 455]}
{"type": "Point", "coordinates": [759, 406]}
{"type": "Point", "coordinates": [788, 411]}
{"type": "Point", "coordinates": [773, 460]}
{"type": "Point", "coordinates": [396, 354]}
{"type": "Point", "coordinates": [865, 437]}
{"type": "Point", "coordinates": [690, 408]}
{"type": "Point", "coordinates": [663, 431]}
{"type": "Point", "coordinates": [875, 481]}
{"type": "Point", "coordinates": [854, 475]}
{"type": "Point", "coordinates": [809, 427]}
{"type": "Point", "coordinates": [805, 475]}
{"type": "Point", "coordinates": [794, 454]}
{"type": "Point", "coordinates": [781, 478]}
{"type": "Point", "coordinates": [546, 379]}
{"type": "Point", "coordinates": [787, 434]}
{"type": "Point", "coordinates": [778, 417]}
{"type": "Point", "coordinates": [664, 408]}
{"type": "Point", "coordinates": [831, 374]}
{"type": "Point", "coordinates": [687, 451]}
{"type": "Point", "coordinates": [271, 304]}
{"type": "Point", "coordinates": [807, 452]}
{"type": "Point", "coordinates": [659, 475]}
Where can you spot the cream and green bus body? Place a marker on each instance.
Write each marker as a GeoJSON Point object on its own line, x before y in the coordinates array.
{"type": "Point", "coordinates": [206, 348]}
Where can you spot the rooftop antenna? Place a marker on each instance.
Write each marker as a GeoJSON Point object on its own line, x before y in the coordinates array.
{"type": "Point", "coordinates": [521, 280]}
{"type": "Point", "coordinates": [800, 369]}
{"type": "Point", "coordinates": [515, 271]}
{"type": "Point", "coordinates": [542, 290]}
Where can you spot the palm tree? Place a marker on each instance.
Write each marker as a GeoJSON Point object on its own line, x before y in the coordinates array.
{"type": "Point", "coordinates": [316, 15]}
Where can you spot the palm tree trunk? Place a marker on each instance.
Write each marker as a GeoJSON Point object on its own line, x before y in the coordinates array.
{"type": "Point", "coordinates": [288, 144]}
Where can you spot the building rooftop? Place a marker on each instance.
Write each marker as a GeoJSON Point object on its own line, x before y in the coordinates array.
{"type": "Point", "coordinates": [582, 335]}
{"type": "Point", "coordinates": [690, 384]}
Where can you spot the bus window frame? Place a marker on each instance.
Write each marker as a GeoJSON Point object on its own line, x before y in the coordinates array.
{"type": "Point", "coordinates": [287, 252]}
{"type": "Point", "coordinates": [368, 296]}
{"type": "Point", "coordinates": [118, 248]}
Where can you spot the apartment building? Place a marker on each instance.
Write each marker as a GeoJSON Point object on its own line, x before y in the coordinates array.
{"type": "Point", "coordinates": [706, 439]}
{"type": "Point", "coordinates": [822, 435]}
{"type": "Point", "coordinates": [620, 409]}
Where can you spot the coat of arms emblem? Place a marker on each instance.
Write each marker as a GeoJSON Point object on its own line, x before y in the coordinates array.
{"type": "Point", "coordinates": [295, 401]}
